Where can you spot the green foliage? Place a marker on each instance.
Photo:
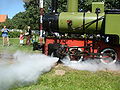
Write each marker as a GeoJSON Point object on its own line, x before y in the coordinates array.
{"type": "Point", "coordinates": [19, 20]}
{"type": "Point", "coordinates": [83, 4]}
{"type": "Point", "coordinates": [14, 34]}
{"type": "Point", "coordinates": [32, 14]}
{"type": "Point", "coordinates": [86, 4]}
{"type": "Point", "coordinates": [62, 5]}
{"type": "Point", "coordinates": [47, 6]}
{"type": "Point", "coordinates": [112, 4]}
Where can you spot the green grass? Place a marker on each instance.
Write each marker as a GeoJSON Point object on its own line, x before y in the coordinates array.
{"type": "Point", "coordinates": [14, 46]}
{"type": "Point", "coordinates": [71, 80]}
{"type": "Point", "coordinates": [76, 80]}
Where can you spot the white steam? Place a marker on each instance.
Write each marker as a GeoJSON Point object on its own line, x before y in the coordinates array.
{"type": "Point", "coordinates": [23, 69]}
{"type": "Point", "coordinates": [91, 65]}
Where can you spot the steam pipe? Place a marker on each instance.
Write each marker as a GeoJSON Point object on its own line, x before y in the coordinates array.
{"type": "Point", "coordinates": [72, 5]}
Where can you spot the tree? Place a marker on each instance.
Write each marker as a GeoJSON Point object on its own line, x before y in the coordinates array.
{"type": "Point", "coordinates": [47, 5]}
{"type": "Point", "coordinates": [112, 4]}
{"type": "Point", "coordinates": [62, 5]}
{"type": "Point", "coordinates": [28, 18]}
{"type": "Point", "coordinates": [19, 20]}
{"type": "Point", "coordinates": [32, 13]}
{"type": "Point", "coordinates": [8, 23]}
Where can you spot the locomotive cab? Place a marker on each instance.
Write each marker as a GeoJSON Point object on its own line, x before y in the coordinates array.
{"type": "Point", "coordinates": [112, 27]}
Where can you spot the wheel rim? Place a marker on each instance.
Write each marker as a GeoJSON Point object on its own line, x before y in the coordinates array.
{"type": "Point", "coordinates": [108, 56]}
{"type": "Point", "coordinates": [73, 56]}
{"type": "Point", "coordinates": [69, 56]}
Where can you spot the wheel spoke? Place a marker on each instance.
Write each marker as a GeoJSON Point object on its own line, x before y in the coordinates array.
{"type": "Point", "coordinates": [108, 56]}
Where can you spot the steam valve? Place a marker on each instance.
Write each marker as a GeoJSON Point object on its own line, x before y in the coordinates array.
{"type": "Point", "coordinates": [69, 22]}
{"type": "Point", "coordinates": [97, 10]}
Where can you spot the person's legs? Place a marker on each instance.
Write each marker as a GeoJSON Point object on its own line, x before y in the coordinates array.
{"type": "Point", "coordinates": [8, 41]}
{"type": "Point", "coordinates": [21, 42]}
{"type": "Point", "coordinates": [28, 40]}
{"type": "Point", "coordinates": [3, 41]}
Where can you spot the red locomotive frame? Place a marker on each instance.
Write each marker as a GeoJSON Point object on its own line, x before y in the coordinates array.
{"type": "Point", "coordinates": [85, 48]}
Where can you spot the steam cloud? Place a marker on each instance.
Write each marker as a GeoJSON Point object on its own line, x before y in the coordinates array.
{"type": "Point", "coordinates": [91, 65]}
{"type": "Point", "coordinates": [23, 69]}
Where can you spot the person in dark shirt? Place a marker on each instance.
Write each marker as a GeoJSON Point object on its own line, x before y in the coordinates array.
{"type": "Point", "coordinates": [28, 36]}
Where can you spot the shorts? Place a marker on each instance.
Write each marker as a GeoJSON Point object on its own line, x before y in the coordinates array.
{"type": "Point", "coordinates": [21, 41]}
{"type": "Point", "coordinates": [4, 35]}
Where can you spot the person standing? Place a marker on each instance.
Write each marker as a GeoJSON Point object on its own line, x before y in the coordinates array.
{"type": "Point", "coordinates": [5, 36]}
{"type": "Point", "coordinates": [21, 38]}
{"type": "Point", "coordinates": [28, 36]}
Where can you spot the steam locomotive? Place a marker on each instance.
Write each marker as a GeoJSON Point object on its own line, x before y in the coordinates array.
{"type": "Point", "coordinates": [82, 35]}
